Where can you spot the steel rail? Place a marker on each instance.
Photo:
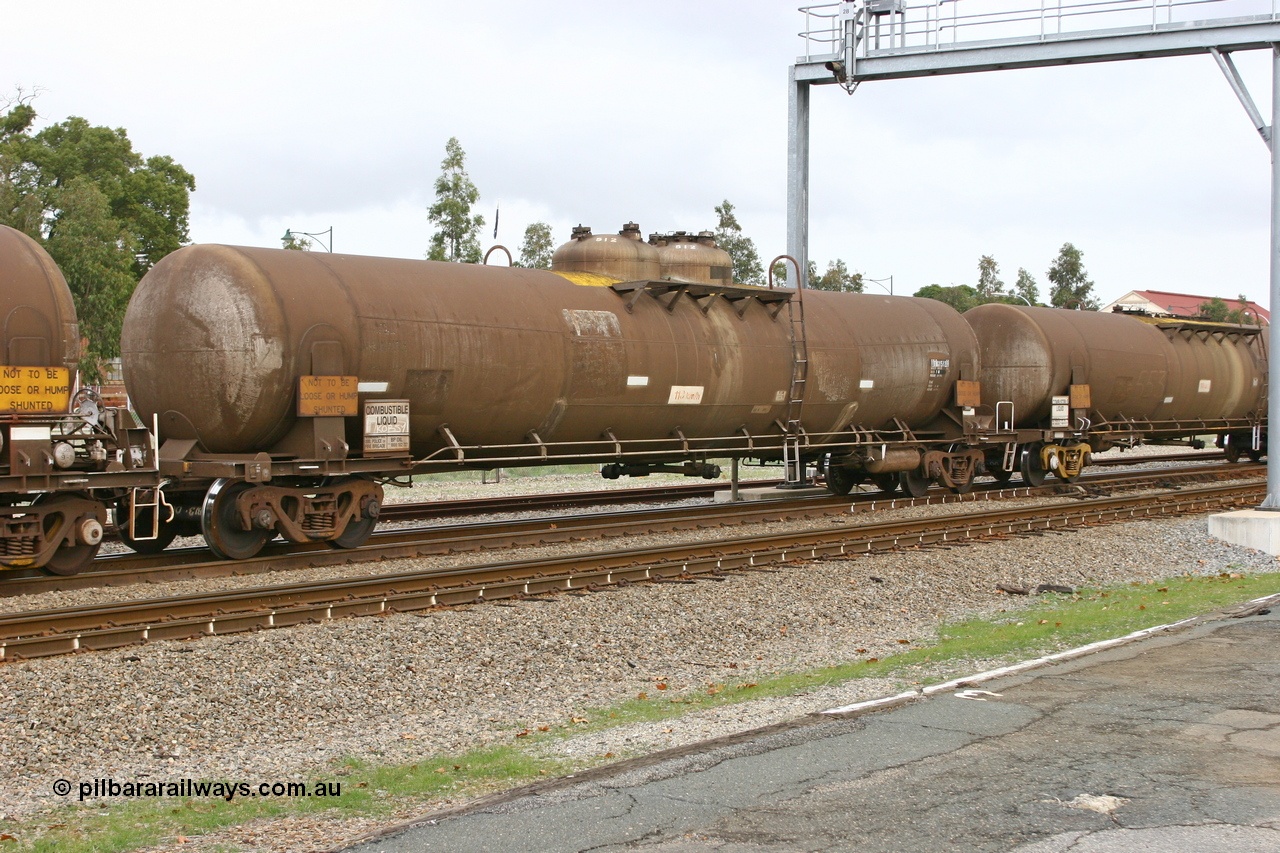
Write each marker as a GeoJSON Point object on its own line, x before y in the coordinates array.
{"type": "Point", "coordinates": [53, 632]}
{"type": "Point", "coordinates": [185, 563]}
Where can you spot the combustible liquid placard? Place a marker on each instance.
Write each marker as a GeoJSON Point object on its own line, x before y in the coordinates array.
{"type": "Point", "coordinates": [386, 426]}
{"type": "Point", "coordinates": [34, 390]}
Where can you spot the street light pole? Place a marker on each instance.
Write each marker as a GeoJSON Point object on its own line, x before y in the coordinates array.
{"type": "Point", "coordinates": [290, 234]}
{"type": "Point", "coordinates": [881, 281]}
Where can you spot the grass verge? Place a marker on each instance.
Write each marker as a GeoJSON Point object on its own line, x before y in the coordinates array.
{"type": "Point", "coordinates": [1043, 624]}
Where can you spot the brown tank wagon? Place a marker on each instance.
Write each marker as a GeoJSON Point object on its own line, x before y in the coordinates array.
{"type": "Point", "coordinates": [1114, 379]}
{"type": "Point", "coordinates": [500, 366]}
{"type": "Point", "coordinates": [63, 456]}
{"type": "Point", "coordinates": [284, 389]}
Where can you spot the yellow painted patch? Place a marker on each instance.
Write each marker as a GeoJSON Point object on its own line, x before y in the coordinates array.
{"type": "Point", "coordinates": [587, 279]}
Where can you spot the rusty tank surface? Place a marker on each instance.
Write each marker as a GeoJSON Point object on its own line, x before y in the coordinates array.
{"type": "Point", "coordinates": [65, 455]}
{"type": "Point", "coordinates": [216, 338]}
{"type": "Point", "coordinates": [624, 256]}
{"type": "Point", "coordinates": [1133, 370]}
{"type": "Point", "coordinates": [40, 327]}
{"type": "Point", "coordinates": [693, 258]}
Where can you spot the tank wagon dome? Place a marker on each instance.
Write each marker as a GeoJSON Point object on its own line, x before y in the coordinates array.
{"type": "Point", "coordinates": [39, 315]}
{"type": "Point", "coordinates": [623, 256]}
{"type": "Point", "coordinates": [692, 258]}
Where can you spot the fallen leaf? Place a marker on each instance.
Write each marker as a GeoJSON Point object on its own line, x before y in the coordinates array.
{"type": "Point", "coordinates": [642, 695]}
{"type": "Point", "coordinates": [524, 733]}
{"type": "Point", "coordinates": [861, 651]}
{"type": "Point", "coordinates": [579, 720]}
{"type": "Point", "coordinates": [1044, 621]}
{"type": "Point", "coordinates": [662, 686]}
{"type": "Point", "coordinates": [544, 728]}
{"type": "Point", "coordinates": [903, 642]}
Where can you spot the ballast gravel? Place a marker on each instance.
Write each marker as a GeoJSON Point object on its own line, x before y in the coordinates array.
{"type": "Point", "coordinates": [289, 705]}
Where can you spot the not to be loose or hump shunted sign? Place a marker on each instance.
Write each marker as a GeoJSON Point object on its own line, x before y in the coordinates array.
{"type": "Point", "coordinates": [386, 426]}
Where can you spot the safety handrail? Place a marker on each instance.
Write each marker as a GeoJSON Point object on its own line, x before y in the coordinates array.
{"type": "Point", "coordinates": [944, 24]}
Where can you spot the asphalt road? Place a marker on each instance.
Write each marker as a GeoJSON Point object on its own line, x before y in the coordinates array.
{"type": "Point", "coordinates": [1169, 744]}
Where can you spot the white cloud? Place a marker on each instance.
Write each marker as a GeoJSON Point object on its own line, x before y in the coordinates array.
{"type": "Point", "coordinates": [332, 114]}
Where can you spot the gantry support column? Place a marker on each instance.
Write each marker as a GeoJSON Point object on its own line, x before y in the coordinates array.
{"type": "Point", "coordinates": [1273, 333]}
{"type": "Point", "coordinates": [798, 176]}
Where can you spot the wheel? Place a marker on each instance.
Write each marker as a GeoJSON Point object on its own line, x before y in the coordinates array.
{"type": "Point", "coordinates": [963, 488]}
{"type": "Point", "coordinates": [995, 469]}
{"type": "Point", "coordinates": [840, 480]}
{"type": "Point", "coordinates": [1033, 472]}
{"type": "Point", "coordinates": [887, 483]}
{"type": "Point", "coordinates": [220, 523]}
{"type": "Point", "coordinates": [915, 483]}
{"type": "Point", "coordinates": [168, 530]}
{"type": "Point", "coordinates": [1231, 450]}
{"type": "Point", "coordinates": [67, 559]}
{"type": "Point", "coordinates": [1254, 455]}
{"type": "Point", "coordinates": [355, 534]}
{"type": "Point", "coordinates": [72, 560]}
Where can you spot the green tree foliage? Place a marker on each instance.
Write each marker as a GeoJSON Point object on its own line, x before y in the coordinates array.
{"type": "Point", "coordinates": [1070, 286]}
{"type": "Point", "coordinates": [1214, 309]}
{"type": "Point", "coordinates": [837, 278]}
{"type": "Point", "coordinates": [1218, 311]}
{"type": "Point", "coordinates": [536, 251]}
{"type": "Point", "coordinates": [989, 283]}
{"type": "Point", "coordinates": [1243, 313]}
{"type": "Point", "coordinates": [104, 214]}
{"type": "Point", "coordinates": [747, 268]}
{"type": "Point", "coordinates": [457, 236]}
{"type": "Point", "coordinates": [1026, 287]}
{"type": "Point", "coordinates": [961, 297]}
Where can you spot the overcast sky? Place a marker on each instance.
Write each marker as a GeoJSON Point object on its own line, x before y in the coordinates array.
{"type": "Point", "coordinates": [315, 114]}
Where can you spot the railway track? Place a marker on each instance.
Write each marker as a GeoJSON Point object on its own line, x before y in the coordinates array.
{"type": "Point", "coordinates": [185, 563]}
{"type": "Point", "coordinates": [62, 631]}
{"type": "Point", "coordinates": [416, 511]}
{"type": "Point", "coordinates": [655, 494]}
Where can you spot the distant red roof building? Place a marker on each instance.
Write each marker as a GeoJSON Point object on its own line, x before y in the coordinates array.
{"type": "Point", "coordinates": [1177, 304]}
